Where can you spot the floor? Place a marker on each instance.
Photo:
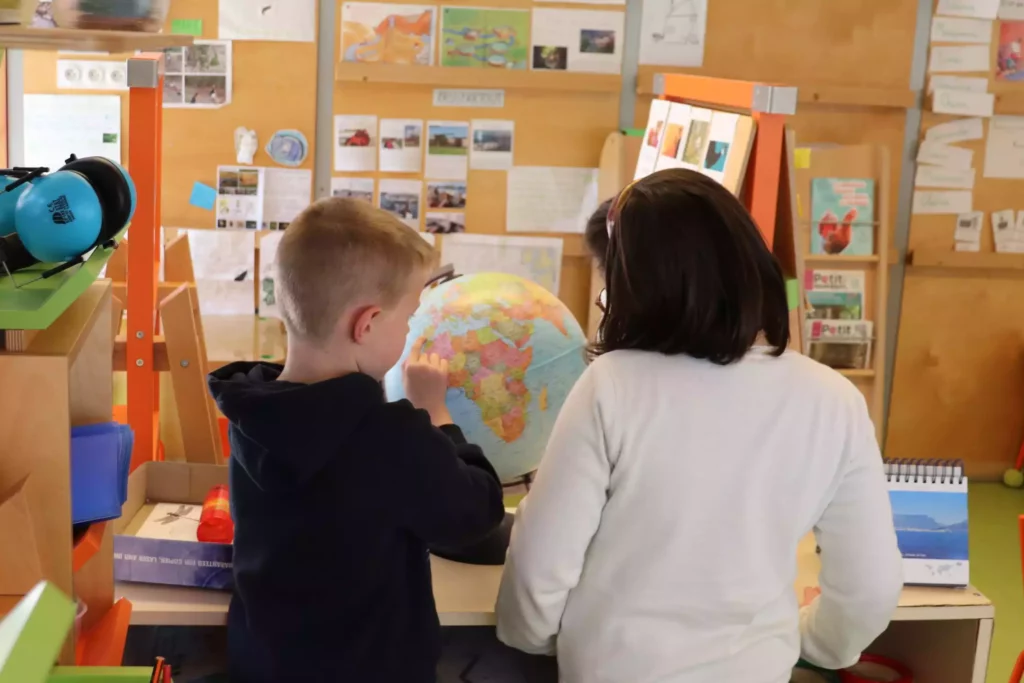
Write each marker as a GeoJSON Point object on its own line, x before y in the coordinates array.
{"type": "Point", "coordinates": [996, 569]}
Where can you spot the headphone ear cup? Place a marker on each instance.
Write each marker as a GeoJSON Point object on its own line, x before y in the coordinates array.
{"type": "Point", "coordinates": [113, 188]}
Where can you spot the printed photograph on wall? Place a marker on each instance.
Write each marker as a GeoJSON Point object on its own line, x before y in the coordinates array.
{"type": "Point", "coordinates": [1009, 56]}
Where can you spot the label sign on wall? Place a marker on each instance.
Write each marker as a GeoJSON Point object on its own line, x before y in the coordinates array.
{"type": "Point", "coordinates": [445, 97]}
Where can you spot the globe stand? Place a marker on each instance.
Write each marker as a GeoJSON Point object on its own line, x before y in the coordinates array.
{"type": "Point", "coordinates": [492, 548]}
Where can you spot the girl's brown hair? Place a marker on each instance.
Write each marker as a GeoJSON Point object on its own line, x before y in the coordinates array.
{"type": "Point", "coordinates": [688, 272]}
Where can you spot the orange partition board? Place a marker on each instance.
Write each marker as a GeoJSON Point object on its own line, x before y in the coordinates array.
{"type": "Point", "coordinates": [274, 88]}
{"type": "Point", "coordinates": [103, 643]}
{"type": "Point", "coordinates": [554, 126]}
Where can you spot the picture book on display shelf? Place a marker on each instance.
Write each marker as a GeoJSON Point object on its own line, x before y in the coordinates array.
{"type": "Point", "coordinates": [840, 344]}
{"type": "Point", "coordinates": [843, 216]}
{"type": "Point", "coordinates": [929, 510]}
{"type": "Point", "coordinates": [834, 294]}
{"type": "Point", "coordinates": [714, 143]}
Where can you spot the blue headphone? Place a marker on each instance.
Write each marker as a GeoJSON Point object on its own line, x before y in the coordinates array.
{"type": "Point", "coordinates": [57, 218]}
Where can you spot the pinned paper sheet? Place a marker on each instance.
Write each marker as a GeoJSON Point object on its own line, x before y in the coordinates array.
{"type": "Point", "coordinates": [672, 32]}
{"type": "Point", "coordinates": [203, 196]}
{"type": "Point", "coordinates": [1008, 52]}
{"type": "Point", "coordinates": [1011, 9]}
{"type": "Point", "coordinates": [492, 145]}
{"type": "Point", "coordinates": [355, 143]}
{"type": "Point", "coordinates": [279, 20]}
{"type": "Point", "coordinates": [1004, 149]}
{"type": "Point", "coordinates": [968, 227]}
{"type": "Point", "coordinates": [979, 9]}
{"type": "Point", "coordinates": [577, 40]}
{"type": "Point", "coordinates": [198, 76]}
{"type": "Point", "coordinates": [287, 194]}
{"type": "Point", "coordinates": [1007, 233]}
{"type": "Point", "coordinates": [944, 155]}
{"type": "Point", "coordinates": [960, 130]}
{"type": "Point", "coordinates": [353, 188]}
{"type": "Point", "coordinates": [946, 178]}
{"type": "Point", "coordinates": [268, 306]}
{"type": "Point", "coordinates": [538, 259]}
{"type": "Point", "coordinates": [447, 149]}
{"type": "Point", "coordinates": [650, 148]}
{"type": "Point", "coordinates": [938, 202]}
{"type": "Point", "coordinates": [963, 83]}
{"type": "Point", "coordinates": [240, 197]}
{"type": "Point", "coordinates": [401, 145]}
{"type": "Point", "coordinates": [963, 103]}
{"type": "Point", "coordinates": [402, 198]}
{"type": "Point", "coordinates": [187, 27]}
{"type": "Point", "coordinates": [57, 125]}
{"type": "Point", "coordinates": [958, 30]}
{"type": "Point", "coordinates": [224, 265]}
{"type": "Point", "coordinates": [550, 199]}
{"type": "Point", "coordinates": [956, 58]}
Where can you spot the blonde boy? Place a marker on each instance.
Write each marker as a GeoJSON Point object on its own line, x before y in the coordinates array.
{"type": "Point", "coordinates": [335, 492]}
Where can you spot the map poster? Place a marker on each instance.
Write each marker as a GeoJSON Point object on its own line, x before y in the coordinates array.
{"type": "Point", "coordinates": [478, 37]}
{"type": "Point", "coordinates": [393, 34]}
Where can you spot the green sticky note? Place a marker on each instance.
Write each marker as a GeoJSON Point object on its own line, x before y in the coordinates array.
{"type": "Point", "coordinates": [187, 27]}
{"type": "Point", "coordinates": [633, 132]}
{"type": "Point", "coordinates": [793, 294]}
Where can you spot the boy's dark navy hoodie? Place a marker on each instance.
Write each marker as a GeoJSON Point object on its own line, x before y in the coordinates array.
{"type": "Point", "coordinates": [335, 495]}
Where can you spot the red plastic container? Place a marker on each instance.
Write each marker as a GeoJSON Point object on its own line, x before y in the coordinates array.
{"type": "Point", "coordinates": [215, 524]}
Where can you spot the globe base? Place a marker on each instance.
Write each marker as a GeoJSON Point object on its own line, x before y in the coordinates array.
{"type": "Point", "coordinates": [489, 550]}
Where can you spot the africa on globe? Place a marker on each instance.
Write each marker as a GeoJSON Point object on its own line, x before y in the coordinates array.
{"type": "Point", "coordinates": [514, 352]}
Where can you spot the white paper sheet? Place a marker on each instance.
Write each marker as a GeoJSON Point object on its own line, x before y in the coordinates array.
{"type": "Point", "coordinates": [1004, 149]}
{"type": "Point", "coordinates": [672, 32]}
{"type": "Point", "coordinates": [476, 98]}
{"type": "Point", "coordinates": [172, 522]}
{"type": "Point", "coordinates": [1011, 9]}
{"type": "Point", "coordinates": [224, 263]}
{"type": "Point", "coordinates": [651, 145]}
{"type": "Point", "coordinates": [240, 197]}
{"type": "Point", "coordinates": [199, 76]}
{"type": "Point", "coordinates": [387, 32]}
{"type": "Point", "coordinates": [268, 275]}
{"type": "Point", "coordinates": [960, 130]}
{"type": "Point", "coordinates": [963, 103]}
{"type": "Point", "coordinates": [57, 126]}
{"type": "Point", "coordinates": [946, 178]}
{"type": "Point", "coordinates": [538, 259]}
{"type": "Point", "coordinates": [978, 9]}
{"type": "Point", "coordinates": [401, 145]}
{"type": "Point", "coordinates": [959, 30]}
{"type": "Point", "coordinates": [939, 202]}
{"type": "Point", "coordinates": [1006, 232]}
{"type": "Point", "coordinates": [968, 227]}
{"type": "Point", "coordinates": [577, 40]}
{"type": "Point", "coordinates": [550, 199]}
{"type": "Point", "coordinates": [447, 149]}
{"type": "Point", "coordinates": [959, 58]}
{"type": "Point", "coordinates": [278, 20]}
{"type": "Point", "coordinates": [944, 155]}
{"type": "Point", "coordinates": [493, 142]}
{"type": "Point", "coordinates": [964, 83]}
{"type": "Point", "coordinates": [719, 148]}
{"type": "Point", "coordinates": [588, 2]}
{"type": "Point", "coordinates": [429, 238]}
{"type": "Point", "coordinates": [353, 188]}
{"type": "Point", "coordinates": [355, 142]}
{"type": "Point", "coordinates": [403, 199]}
{"type": "Point", "coordinates": [673, 140]}
{"type": "Point", "coordinates": [287, 193]}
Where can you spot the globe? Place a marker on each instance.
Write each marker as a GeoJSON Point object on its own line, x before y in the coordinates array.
{"type": "Point", "coordinates": [514, 352]}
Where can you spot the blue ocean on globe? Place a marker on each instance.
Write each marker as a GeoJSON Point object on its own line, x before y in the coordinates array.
{"type": "Point", "coordinates": [514, 352]}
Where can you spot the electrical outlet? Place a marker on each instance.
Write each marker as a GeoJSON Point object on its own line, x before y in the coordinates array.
{"type": "Point", "coordinates": [73, 74]}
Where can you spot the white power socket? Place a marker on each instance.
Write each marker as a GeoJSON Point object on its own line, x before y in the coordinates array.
{"type": "Point", "coordinates": [74, 74]}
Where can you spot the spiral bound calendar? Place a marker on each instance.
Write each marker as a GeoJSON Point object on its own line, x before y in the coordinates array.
{"type": "Point", "coordinates": [929, 509]}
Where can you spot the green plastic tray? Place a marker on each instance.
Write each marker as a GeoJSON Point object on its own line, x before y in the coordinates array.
{"type": "Point", "coordinates": [35, 306]}
{"type": "Point", "coordinates": [31, 635]}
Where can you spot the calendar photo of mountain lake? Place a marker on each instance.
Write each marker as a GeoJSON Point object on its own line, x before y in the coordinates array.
{"type": "Point", "coordinates": [931, 525]}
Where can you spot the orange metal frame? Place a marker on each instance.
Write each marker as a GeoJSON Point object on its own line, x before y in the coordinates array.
{"type": "Point", "coordinates": [145, 126]}
{"type": "Point", "coordinates": [764, 170]}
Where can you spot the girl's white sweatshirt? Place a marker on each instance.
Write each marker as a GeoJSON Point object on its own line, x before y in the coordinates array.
{"type": "Point", "coordinates": [658, 542]}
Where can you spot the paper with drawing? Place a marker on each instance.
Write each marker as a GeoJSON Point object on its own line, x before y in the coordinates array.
{"type": "Point", "coordinates": [550, 199]}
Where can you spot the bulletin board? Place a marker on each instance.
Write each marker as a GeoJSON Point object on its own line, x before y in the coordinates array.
{"type": "Point", "coordinates": [850, 62]}
{"type": "Point", "coordinates": [561, 119]}
{"type": "Point", "coordinates": [274, 88]}
{"type": "Point", "coordinates": [958, 382]}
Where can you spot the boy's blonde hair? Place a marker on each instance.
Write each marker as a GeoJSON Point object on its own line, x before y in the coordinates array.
{"type": "Point", "coordinates": [337, 251]}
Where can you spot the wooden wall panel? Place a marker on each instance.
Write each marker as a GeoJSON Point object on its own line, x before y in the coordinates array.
{"type": "Point", "coordinates": [274, 88]}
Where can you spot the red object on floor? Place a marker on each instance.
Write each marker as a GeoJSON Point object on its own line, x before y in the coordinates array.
{"type": "Point", "coordinates": [215, 524]}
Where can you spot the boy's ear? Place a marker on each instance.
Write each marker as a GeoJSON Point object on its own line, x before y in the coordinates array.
{"type": "Point", "coordinates": [362, 322]}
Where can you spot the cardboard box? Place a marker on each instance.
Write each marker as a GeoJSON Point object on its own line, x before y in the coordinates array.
{"type": "Point", "coordinates": [168, 562]}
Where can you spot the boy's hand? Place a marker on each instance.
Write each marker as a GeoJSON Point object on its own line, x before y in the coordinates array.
{"type": "Point", "coordinates": [425, 377]}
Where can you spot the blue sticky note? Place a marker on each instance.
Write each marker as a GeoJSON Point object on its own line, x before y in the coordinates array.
{"type": "Point", "coordinates": [203, 196]}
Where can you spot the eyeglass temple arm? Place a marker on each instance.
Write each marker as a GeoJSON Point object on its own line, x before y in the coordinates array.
{"type": "Point", "coordinates": [442, 274]}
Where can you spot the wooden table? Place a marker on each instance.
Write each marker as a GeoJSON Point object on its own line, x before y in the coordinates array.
{"type": "Point", "coordinates": [942, 634]}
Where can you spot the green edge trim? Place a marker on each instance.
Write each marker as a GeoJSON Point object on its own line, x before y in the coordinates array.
{"type": "Point", "coordinates": [793, 294]}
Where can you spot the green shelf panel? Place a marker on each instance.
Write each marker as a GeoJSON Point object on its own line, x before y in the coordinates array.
{"type": "Point", "coordinates": [100, 674]}
{"type": "Point", "coordinates": [35, 306]}
{"type": "Point", "coordinates": [32, 634]}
